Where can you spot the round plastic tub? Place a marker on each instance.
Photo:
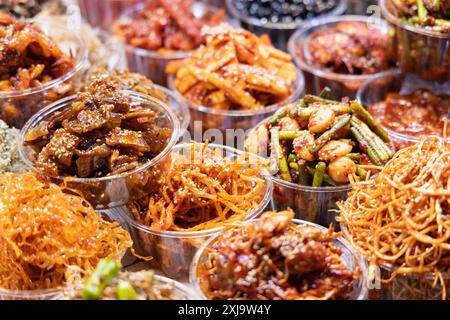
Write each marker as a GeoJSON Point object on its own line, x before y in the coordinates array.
{"type": "Point", "coordinates": [153, 63]}
{"type": "Point", "coordinates": [341, 85]}
{"type": "Point", "coordinates": [402, 287]}
{"type": "Point", "coordinates": [420, 51]}
{"type": "Point", "coordinates": [172, 251]}
{"type": "Point", "coordinates": [16, 107]}
{"type": "Point", "coordinates": [103, 13]}
{"type": "Point", "coordinates": [113, 191]}
{"type": "Point", "coordinates": [279, 33]}
{"type": "Point", "coordinates": [205, 118]}
{"type": "Point", "coordinates": [376, 90]}
{"type": "Point", "coordinates": [351, 258]}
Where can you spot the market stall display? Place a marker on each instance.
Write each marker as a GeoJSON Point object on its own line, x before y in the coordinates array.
{"type": "Point", "coordinates": [276, 257]}
{"type": "Point", "coordinates": [160, 31]}
{"type": "Point", "coordinates": [206, 187]}
{"type": "Point", "coordinates": [108, 282]}
{"type": "Point", "coordinates": [317, 147]}
{"type": "Point", "coordinates": [342, 53]}
{"type": "Point", "coordinates": [235, 80]}
{"type": "Point", "coordinates": [183, 138]}
{"type": "Point", "coordinates": [399, 221]}
{"type": "Point", "coordinates": [111, 144]}
{"type": "Point", "coordinates": [49, 236]}
{"type": "Point", "coordinates": [35, 69]}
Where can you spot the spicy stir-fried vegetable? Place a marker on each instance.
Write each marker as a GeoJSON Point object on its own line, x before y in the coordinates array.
{"type": "Point", "coordinates": [107, 282]}
{"type": "Point", "coordinates": [321, 142]}
{"type": "Point", "coordinates": [273, 258]}
{"type": "Point", "coordinates": [102, 133]}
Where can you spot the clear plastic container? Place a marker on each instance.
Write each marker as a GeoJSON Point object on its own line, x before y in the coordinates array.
{"type": "Point", "coordinates": [279, 33]}
{"type": "Point", "coordinates": [351, 258]}
{"type": "Point", "coordinates": [313, 204]}
{"type": "Point", "coordinates": [376, 90]}
{"type": "Point", "coordinates": [316, 78]}
{"type": "Point", "coordinates": [179, 108]}
{"type": "Point", "coordinates": [16, 107]}
{"type": "Point", "coordinates": [103, 13]}
{"type": "Point", "coordinates": [402, 287]}
{"type": "Point", "coordinates": [207, 118]}
{"type": "Point", "coordinates": [47, 294]}
{"type": "Point", "coordinates": [420, 51]}
{"type": "Point", "coordinates": [117, 190]}
{"type": "Point", "coordinates": [153, 64]}
{"type": "Point", "coordinates": [172, 251]}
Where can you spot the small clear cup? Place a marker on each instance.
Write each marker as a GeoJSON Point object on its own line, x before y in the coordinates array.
{"type": "Point", "coordinates": [352, 258]}
{"type": "Point", "coordinates": [210, 118]}
{"type": "Point", "coordinates": [112, 191]}
{"type": "Point", "coordinates": [172, 251]}
{"type": "Point", "coordinates": [16, 107]}
{"type": "Point", "coordinates": [279, 33]}
{"type": "Point", "coordinates": [153, 63]}
{"type": "Point", "coordinates": [316, 78]}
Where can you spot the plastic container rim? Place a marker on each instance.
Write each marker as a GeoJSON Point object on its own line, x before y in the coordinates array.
{"type": "Point", "coordinates": [201, 233]}
{"type": "Point", "coordinates": [66, 102]}
{"type": "Point", "coordinates": [359, 259]}
{"type": "Point", "coordinates": [298, 86]}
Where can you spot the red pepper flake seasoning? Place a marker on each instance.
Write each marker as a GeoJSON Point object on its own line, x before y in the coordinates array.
{"type": "Point", "coordinates": [273, 258]}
